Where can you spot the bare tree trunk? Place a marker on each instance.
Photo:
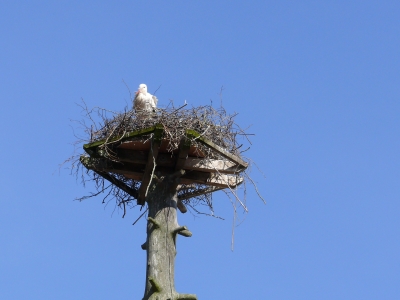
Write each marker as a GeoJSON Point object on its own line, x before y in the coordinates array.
{"type": "Point", "coordinates": [162, 228]}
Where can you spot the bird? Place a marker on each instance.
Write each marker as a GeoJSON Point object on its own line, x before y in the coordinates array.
{"type": "Point", "coordinates": [144, 101]}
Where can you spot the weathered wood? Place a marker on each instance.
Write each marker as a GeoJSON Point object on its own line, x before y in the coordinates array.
{"type": "Point", "coordinates": [137, 173]}
{"type": "Point", "coordinates": [211, 165]}
{"type": "Point", "coordinates": [112, 179]}
{"type": "Point", "coordinates": [199, 192]}
{"type": "Point", "coordinates": [190, 163]}
{"type": "Point", "coordinates": [184, 147]}
{"type": "Point", "coordinates": [91, 147]}
{"type": "Point", "coordinates": [182, 208]}
{"type": "Point", "coordinates": [218, 180]}
{"type": "Point", "coordinates": [150, 166]}
{"type": "Point", "coordinates": [141, 157]}
{"type": "Point", "coordinates": [217, 148]}
{"type": "Point", "coordinates": [182, 230]}
{"type": "Point", "coordinates": [104, 165]}
{"type": "Point", "coordinates": [133, 156]}
{"type": "Point", "coordinates": [165, 147]}
{"type": "Point", "coordinates": [160, 245]}
{"type": "Point", "coordinates": [120, 184]}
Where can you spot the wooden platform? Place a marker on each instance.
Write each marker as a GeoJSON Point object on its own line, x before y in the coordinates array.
{"type": "Point", "coordinates": [138, 160]}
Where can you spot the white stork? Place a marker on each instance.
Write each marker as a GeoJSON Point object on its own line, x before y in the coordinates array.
{"type": "Point", "coordinates": [144, 101]}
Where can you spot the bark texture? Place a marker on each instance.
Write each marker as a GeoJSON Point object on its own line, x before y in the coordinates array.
{"type": "Point", "coordinates": [162, 228]}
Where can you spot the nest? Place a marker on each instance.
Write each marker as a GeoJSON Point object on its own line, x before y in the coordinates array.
{"type": "Point", "coordinates": [214, 124]}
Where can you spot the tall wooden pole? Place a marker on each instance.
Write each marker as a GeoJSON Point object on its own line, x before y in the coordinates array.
{"type": "Point", "coordinates": [162, 230]}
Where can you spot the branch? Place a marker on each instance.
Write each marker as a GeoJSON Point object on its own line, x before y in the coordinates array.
{"type": "Point", "coordinates": [144, 246]}
{"type": "Point", "coordinates": [155, 284]}
{"type": "Point", "coordinates": [182, 230]}
{"type": "Point", "coordinates": [154, 222]}
{"type": "Point", "coordinates": [186, 297]}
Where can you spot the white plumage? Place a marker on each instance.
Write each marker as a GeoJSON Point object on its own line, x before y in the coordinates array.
{"type": "Point", "coordinates": [144, 101]}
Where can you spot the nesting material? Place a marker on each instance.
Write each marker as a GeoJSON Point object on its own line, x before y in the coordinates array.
{"type": "Point", "coordinates": [213, 124]}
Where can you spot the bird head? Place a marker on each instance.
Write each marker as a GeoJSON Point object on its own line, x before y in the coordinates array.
{"type": "Point", "coordinates": [142, 89]}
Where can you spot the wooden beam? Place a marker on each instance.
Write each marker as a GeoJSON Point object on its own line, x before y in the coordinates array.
{"type": "Point", "coordinates": [190, 163]}
{"type": "Point", "coordinates": [191, 134]}
{"type": "Point", "coordinates": [133, 172]}
{"type": "Point", "coordinates": [218, 180]}
{"type": "Point", "coordinates": [133, 192]}
{"type": "Point", "coordinates": [136, 175]}
{"type": "Point", "coordinates": [104, 165]}
{"type": "Point", "coordinates": [212, 179]}
{"type": "Point", "coordinates": [199, 192]}
{"type": "Point", "coordinates": [91, 147]}
{"type": "Point", "coordinates": [110, 178]}
{"type": "Point", "coordinates": [211, 165]}
{"type": "Point", "coordinates": [151, 164]}
{"type": "Point", "coordinates": [141, 157]}
{"type": "Point", "coordinates": [184, 147]}
{"type": "Point", "coordinates": [217, 148]}
{"type": "Point", "coordinates": [132, 156]}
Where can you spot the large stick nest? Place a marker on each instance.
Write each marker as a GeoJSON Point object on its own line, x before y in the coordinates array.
{"type": "Point", "coordinates": [214, 124]}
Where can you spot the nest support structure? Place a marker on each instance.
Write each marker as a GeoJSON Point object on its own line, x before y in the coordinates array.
{"type": "Point", "coordinates": [131, 162]}
{"type": "Point", "coordinates": [132, 150]}
{"type": "Point", "coordinates": [153, 166]}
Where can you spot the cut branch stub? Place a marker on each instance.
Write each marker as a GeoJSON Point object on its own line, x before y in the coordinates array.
{"type": "Point", "coordinates": [154, 222]}
{"type": "Point", "coordinates": [186, 297]}
{"type": "Point", "coordinates": [182, 230]}
{"type": "Point", "coordinates": [155, 285]}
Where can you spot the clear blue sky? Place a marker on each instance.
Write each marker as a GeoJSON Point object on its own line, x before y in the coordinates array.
{"type": "Point", "coordinates": [318, 81]}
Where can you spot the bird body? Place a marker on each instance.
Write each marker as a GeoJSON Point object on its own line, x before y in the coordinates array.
{"type": "Point", "coordinates": [144, 101]}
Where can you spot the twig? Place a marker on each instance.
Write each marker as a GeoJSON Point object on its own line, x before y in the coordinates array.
{"type": "Point", "coordinates": [140, 216]}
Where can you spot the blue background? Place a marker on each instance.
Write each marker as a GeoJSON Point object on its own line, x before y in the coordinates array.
{"type": "Point", "coordinates": [317, 80]}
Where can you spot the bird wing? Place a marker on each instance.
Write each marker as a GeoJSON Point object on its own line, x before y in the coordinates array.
{"type": "Point", "coordinates": [155, 100]}
{"type": "Point", "coordinates": [139, 102]}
